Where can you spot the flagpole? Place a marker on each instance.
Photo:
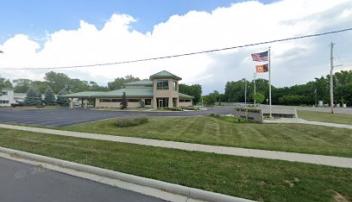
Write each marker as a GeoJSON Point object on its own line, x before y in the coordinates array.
{"type": "Point", "coordinates": [269, 64]}
{"type": "Point", "coordinates": [254, 87]}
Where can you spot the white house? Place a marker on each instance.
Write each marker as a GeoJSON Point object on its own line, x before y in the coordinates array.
{"type": "Point", "coordinates": [7, 98]}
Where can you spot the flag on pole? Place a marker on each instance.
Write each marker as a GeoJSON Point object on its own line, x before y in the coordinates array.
{"type": "Point", "coordinates": [260, 57]}
{"type": "Point", "coordinates": [262, 68]}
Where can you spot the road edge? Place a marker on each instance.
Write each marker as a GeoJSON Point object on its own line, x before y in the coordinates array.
{"type": "Point", "coordinates": [155, 188]}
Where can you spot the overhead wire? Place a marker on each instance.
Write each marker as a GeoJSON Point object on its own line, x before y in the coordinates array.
{"type": "Point", "coordinates": [182, 54]}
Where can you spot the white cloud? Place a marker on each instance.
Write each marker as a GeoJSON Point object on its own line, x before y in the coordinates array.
{"type": "Point", "coordinates": [246, 22]}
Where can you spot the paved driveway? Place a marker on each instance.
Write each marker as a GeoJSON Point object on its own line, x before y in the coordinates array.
{"type": "Point", "coordinates": [22, 182]}
{"type": "Point", "coordinates": [63, 116]}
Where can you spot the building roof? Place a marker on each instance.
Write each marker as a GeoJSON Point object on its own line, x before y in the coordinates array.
{"type": "Point", "coordinates": [140, 83]}
{"type": "Point", "coordinates": [184, 96]}
{"type": "Point", "coordinates": [164, 75]}
{"type": "Point", "coordinates": [130, 92]}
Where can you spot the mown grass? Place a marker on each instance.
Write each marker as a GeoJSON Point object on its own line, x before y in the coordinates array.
{"type": "Point", "coordinates": [326, 117]}
{"type": "Point", "coordinates": [256, 179]}
{"type": "Point", "coordinates": [228, 132]}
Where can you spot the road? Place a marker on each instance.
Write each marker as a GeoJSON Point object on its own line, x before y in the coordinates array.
{"type": "Point", "coordinates": [64, 116]}
{"type": "Point", "coordinates": [20, 182]}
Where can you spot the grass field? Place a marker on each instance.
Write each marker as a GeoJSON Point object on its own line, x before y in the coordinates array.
{"type": "Point", "coordinates": [326, 117]}
{"type": "Point", "coordinates": [257, 179]}
{"type": "Point", "coordinates": [225, 131]}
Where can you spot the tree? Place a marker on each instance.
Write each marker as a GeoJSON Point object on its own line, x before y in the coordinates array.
{"type": "Point", "coordinates": [5, 83]}
{"type": "Point", "coordinates": [212, 98]}
{"type": "Point", "coordinates": [193, 90]}
{"type": "Point", "coordinates": [49, 96]}
{"type": "Point", "coordinates": [22, 85]}
{"type": "Point", "coordinates": [93, 86]}
{"type": "Point", "coordinates": [61, 99]}
{"type": "Point", "coordinates": [33, 97]}
{"type": "Point", "coordinates": [291, 99]}
{"type": "Point", "coordinates": [57, 81]}
{"type": "Point", "coordinates": [123, 103]}
{"type": "Point", "coordinates": [119, 82]}
{"type": "Point", "coordinates": [259, 98]}
{"type": "Point", "coordinates": [41, 86]}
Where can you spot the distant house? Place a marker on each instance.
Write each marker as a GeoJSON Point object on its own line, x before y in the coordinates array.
{"type": "Point", "coordinates": [159, 91]}
{"type": "Point", "coordinates": [6, 97]}
{"type": "Point", "coordinates": [20, 97]}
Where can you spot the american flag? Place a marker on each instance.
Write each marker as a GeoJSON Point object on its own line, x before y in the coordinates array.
{"type": "Point", "coordinates": [260, 57]}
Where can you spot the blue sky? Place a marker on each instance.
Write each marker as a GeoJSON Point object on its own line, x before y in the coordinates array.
{"type": "Point", "coordinates": [38, 17]}
{"type": "Point", "coordinates": [39, 33]}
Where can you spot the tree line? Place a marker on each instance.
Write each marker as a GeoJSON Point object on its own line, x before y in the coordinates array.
{"type": "Point", "coordinates": [309, 93]}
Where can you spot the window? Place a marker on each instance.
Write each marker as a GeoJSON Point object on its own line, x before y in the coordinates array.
{"type": "Point", "coordinates": [3, 93]}
{"type": "Point", "coordinates": [183, 100]}
{"type": "Point", "coordinates": [148, 101]}
{"type": "Point", "coordinates": [105, 100]}
{"type": "Point", "coordinates": [4, 102]}
{"type": "Point", "coordinates": [109, 100]}
{"type": "Point", "coordinates": [133, 100]}
{"type": "Point", "coordinates": [175, 85]}
{"type": "Point", "coordinates": [162, 85]}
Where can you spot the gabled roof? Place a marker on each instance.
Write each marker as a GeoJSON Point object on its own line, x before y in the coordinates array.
{"type": "Point", "coordinates": [164, 75]}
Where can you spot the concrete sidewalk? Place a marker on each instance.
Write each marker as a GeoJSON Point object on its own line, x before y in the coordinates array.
{"type": "Point", "coordinates": [233, 151]}
{"type": "Point", "coordinates": [302, 121]}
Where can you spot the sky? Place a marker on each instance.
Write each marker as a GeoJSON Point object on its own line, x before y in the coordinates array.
{"type": "Point", "coordinates": [36, 33]}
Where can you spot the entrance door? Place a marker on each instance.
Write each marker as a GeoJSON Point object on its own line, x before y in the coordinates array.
{"type": "Point", "coordinates": [162, 102]}
{"type": "Point", "coordinates": [174, 102]}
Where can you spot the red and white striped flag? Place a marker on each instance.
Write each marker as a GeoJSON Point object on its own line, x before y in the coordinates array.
{"type": "Point", "coordinates": [260, 57]}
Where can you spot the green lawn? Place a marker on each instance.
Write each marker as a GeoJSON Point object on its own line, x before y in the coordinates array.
{"type": "Point", "coordinates": [221, 131]}
{"type": "Point", "coordinates": [257, 179]}
{"type": "Point", "coordinates": [326, 117]}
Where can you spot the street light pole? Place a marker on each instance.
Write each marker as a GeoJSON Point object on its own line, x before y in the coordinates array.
{"type": "Point", "coordinates": [331, 77]}
{"type": "Point", "coordinates": [245, 98]}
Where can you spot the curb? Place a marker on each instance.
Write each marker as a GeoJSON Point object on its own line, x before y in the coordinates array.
{"type": "Point", "coordinates": [190, 193]}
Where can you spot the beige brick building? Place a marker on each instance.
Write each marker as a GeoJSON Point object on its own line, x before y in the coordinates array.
{"type": "Point", "coordinates": [160, 91]}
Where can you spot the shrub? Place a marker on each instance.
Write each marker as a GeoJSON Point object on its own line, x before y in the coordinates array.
{"type": "Point", "coordinates": [191, 108]}
{"type": "Point", "coordinates": [128, 122]}
{"type": "Point", "coordinates": [123, 103]}
{"type": "Point", "coordinates": [61, 100]}
{"type": "Point", "coordinates": [49, 96]}
{"type": "Point", "coordinates": [141, 103]}
{"type": "Point", "coordinates": [173, 108]}
{"type": "Point", "coordinates": [214, 115]}
{"type": "Point", "coordinates": [33, 97]}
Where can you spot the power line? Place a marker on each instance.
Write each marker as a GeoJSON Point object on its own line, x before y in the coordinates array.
{"type": "Point", "coordinates": [184, 54]}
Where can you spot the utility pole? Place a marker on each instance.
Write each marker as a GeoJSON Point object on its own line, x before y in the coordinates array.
{"type": "Point", "coordinates": [245, 92]}
{"type": "Point", "coordinates": [254, 88]}
{"type": "Point", "coordinates": [331, 77]}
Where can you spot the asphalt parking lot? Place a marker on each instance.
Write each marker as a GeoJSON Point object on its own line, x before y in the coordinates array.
{"type": "Point", "coordinates": [65, 116]}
